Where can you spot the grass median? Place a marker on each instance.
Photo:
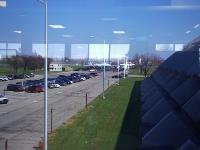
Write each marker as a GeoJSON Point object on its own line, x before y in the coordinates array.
{"type": "Point", "coordinates": [99, 126]}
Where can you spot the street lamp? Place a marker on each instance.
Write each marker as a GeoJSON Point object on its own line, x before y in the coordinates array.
{"type": "Point", "coordinates": [118, 68]}
{"type": "Point", "coordinates": [124, 67]}
{"type": "Point", "coordinates": [45, 3]}
{"type": "Point", "coordinates": [104, 69]}
{"type": "Point", "coordinates": [118, 32]}
{"type": "Point", "coordinates": [19, 32]}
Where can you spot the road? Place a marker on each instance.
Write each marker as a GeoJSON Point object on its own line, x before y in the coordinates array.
{"type": "Point", "coordinates": [21, 120]}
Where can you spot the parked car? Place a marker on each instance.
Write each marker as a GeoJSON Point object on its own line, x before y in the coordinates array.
{"type": "Point", "coordinates": [81, 78]}
{"type": "Point", "coordinates": [93, 74]}
{"type": "Point", "coordinates": [24, 84]}
{"type": "Point", "coordinates": [10, 77]}
{"type": "Point", "coordinates": [53, 85]}
{"type": "Point", "coordinates": [74, 79]}
{"type": "Point", "coordinates": [3, 99]}
{"type": "Point", "coordinates": [61, 82]}
{"type": "Point", "coordinates": [35, 89]}
{"type": "Point", "coordinates": [65, 79]}
{"type": "Point", "coordinates": [3, 78]}
{"type": "Point", "coordinates": [15, 87]}
{"type": "Point", "coordinates": [19, 76]}
{"type": "Point", "coordinates": [87, 76]}
{"type": "Point", "coordinates": [30, 74]}
{"type": "Point", "coordinates": [74, 74]}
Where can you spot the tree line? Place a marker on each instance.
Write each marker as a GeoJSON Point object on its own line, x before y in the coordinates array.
{"type": "Point", "coordinates": [34, 63]}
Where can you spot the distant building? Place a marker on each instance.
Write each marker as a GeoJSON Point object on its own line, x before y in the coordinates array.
{"type": "Point", "coordinates": [55, 67]}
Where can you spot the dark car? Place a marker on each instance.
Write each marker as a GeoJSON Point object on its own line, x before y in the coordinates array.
{"type": "Point", "coordinates": [74, 79]}
{"type": "Point", "coordinates": [24, 84]}
{"type": "Point", "coordinates": [93, 74]}
{"type": "Point", "coordinates": [35, 89]}
{"type": "Point", "coordinates": [15, 87]}
{"type": "Point", "coordinates": [30, 75]}
{"type": "Point", "coordinates": [10, 77]}
{"type": "Point", "coordinates": [19, 76]}
{"type": "Point", "coordinates": [87, 76]}
{"type": "Point", "coordinates": [65, 78]}
{"type": "Point", "coordinates": [74, 74]}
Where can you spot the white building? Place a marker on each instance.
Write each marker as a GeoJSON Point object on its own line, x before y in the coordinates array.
{"type": "Point", "coordinates": [55, 67]}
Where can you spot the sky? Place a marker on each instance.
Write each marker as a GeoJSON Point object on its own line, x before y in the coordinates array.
{"type": "Point", "coordinates": [146, 24]}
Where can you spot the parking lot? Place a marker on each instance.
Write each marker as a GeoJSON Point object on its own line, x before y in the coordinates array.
{"type": "Point", "coordinates": [21, 120]}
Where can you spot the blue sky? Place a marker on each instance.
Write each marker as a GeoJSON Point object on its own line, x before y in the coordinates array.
{"type": "Point", "coordinates": [146, 23]}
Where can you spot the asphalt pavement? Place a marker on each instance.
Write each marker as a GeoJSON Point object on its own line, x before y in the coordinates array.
{"type": "Point", "coordinates": [21, 120]}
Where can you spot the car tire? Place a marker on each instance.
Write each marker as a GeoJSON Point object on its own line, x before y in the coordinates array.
{"type": "Point", "coordinates": [5, 102]}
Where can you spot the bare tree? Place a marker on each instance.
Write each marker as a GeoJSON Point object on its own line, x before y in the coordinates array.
{"type": "Point", "coordinates": [15, 62]}
{"type": "Point", "coordinates": [146, 62]}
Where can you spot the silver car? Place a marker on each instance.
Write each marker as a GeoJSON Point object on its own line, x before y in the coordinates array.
{"type": "Point", "coordinates": [3, 99]}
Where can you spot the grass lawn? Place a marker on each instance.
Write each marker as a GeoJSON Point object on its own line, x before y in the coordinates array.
{"type": "Point", "coordinates": [134, 71]}
{"type": "Point", "coordinates": [100, 126]}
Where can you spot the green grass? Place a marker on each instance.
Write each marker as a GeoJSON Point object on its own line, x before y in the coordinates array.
{"type": "Point", "coordinates": [99, 126]}
{"type": "Point", "coordinates": [135, 71]}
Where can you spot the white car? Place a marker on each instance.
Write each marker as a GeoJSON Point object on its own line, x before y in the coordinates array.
{"type": "Point", "coordinates": [3, 99]}
{"type": "Point", "coordinates": [56, 85]}
{"type": "Point", "coordinates": [3, 78]}
{"type": "Point", "coordinates": [83, 78]}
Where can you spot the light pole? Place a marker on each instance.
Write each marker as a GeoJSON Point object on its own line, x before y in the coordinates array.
{"type": "Point", "coordinates": [118, 32]}
{"type": "Point", "coordinates": [124, 67]}
{"type": "Point", "coordinates": [104, 69]}
{"type": "Point", "coordinates": [19, 32]}
{"type": "Point", "coordinates": [118, 68]}
{"type": "Point", "coordinates": [45, 3]}
{"type": "Point", "coordinates": [91, 37]}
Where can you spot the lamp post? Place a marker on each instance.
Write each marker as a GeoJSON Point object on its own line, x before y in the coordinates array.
{"type": "Point", "coordinates": [104, 69]}
{"type": "Point", "coordinates": [45, 3]}
{"type": "Point", "coordinates": [118, 32]}
{"type": "Point", "coordinates": [118, 68]}
{"type": "Point", "coordinates": [124, 67]}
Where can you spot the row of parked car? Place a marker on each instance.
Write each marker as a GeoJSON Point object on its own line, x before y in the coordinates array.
{"type": "Point", "coordinates": [16, 76]}
{"type": "Point", "coordinates": [32, 86]}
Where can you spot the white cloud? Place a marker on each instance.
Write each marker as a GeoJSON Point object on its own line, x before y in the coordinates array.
{"type": "Point", "coordinates": [197, 26]}
{"type": "Point", "coordinates": [67, 35]}
{"type": "Point", "coordinates": [109, 19]}
{"type": "Point", "coordinates": [91, 36]}
{"type": "Point", "coordinates": [188, 32]}
{"type": "Point", "coordinates": [18, 31]}
{"type": "Point", "coordinates": [56, 26]}
{"type": "Point", "coordinates": [119, 32]}
{"type": "Point", "coordinates": [2, 3]}
{"type": "Point", "coordinates": [178, 7]}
